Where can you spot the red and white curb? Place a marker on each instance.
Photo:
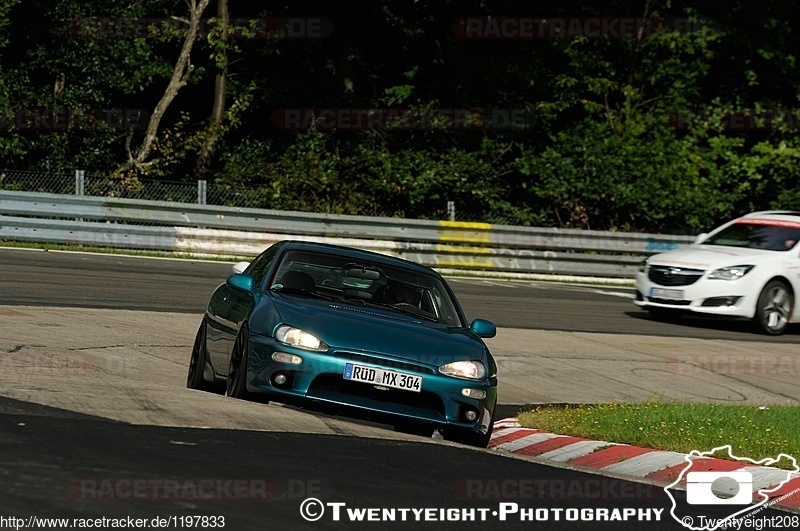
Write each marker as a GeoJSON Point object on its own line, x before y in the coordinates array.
{"type": "Point", "coordinates": [635, 462]}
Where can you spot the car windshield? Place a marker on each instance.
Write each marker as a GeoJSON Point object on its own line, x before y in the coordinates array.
{"type": "Point", "coordinates": [366, 283]}
{"type": "Point", "coordinates": [768, 235]}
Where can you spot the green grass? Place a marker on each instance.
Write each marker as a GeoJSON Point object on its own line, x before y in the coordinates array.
{"type": "Point", "coordinates": [756, 432]}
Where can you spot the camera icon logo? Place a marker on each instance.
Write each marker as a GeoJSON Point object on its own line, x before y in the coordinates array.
{"type": "Point", "coordinates": [719, 488]}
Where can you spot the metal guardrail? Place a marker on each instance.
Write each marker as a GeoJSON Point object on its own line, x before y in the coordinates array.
{"type": "Point", "coordinates": [216, 230]}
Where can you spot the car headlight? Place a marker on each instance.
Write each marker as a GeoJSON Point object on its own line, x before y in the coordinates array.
{"type": "Point", "coordinates": [730, 273]}
{"type": "Point", "coordinates": [471, 370]}
{"type": "Point", "coordinates": [643, 266]}
{"type": "Point", "coordinates": [289, 335]}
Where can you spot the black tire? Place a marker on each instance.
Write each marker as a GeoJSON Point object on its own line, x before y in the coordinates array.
{"type": "Point", "coordinates": [470, 438]}
{"type": "Point", "coordinates": [197, 363]}
{"type": "Point", "coordinates": [236, 383]}
{"type": "Point", "coordinates": [774, 308]}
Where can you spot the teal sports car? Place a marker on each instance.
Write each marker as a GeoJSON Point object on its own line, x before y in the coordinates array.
{"type": "Point", "coordinates": [374, 336]}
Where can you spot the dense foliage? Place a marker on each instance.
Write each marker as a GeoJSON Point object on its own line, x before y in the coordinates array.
{"type": "Point", "coordinates": [673, 128]}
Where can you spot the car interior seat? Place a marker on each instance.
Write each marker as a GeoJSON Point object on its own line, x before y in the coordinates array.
{"type": "Point", "coordinates": [298, 280]}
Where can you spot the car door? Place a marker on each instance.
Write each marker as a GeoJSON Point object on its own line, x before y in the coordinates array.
{"type": "Point", "coordinates": [228, 308]}
{"type": "Point", "coordinates": [792, 268]}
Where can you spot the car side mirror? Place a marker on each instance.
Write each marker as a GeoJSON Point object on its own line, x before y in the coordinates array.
{"type": "Point", "coordinates": [239, 267]}
{"type": "Point", "coordinates": [700, 238]}
{"type": "Point", "coordinates": [483, 328]}
{"type": "Point", "coordinates": [241, 282]}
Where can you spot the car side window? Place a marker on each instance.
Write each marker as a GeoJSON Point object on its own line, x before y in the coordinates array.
{"type": "Point", "coordinates": [258, 269]}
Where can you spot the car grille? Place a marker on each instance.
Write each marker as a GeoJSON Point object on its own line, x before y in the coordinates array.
{"type": "Point", "coordinates": [671, 302]}
{"type": "Point", "coordinates": [332, 386]}
{"type": "Point", "coordinates": [389, 364]}
{"type": "Point", "coordinates": [673, 276]}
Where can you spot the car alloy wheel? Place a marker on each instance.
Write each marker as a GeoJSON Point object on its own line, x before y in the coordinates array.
{"type": "Point", "coordinates": [774, 307]}
{"type": "Point", "coordinates": [197, 363]}
{"type": "Point", "coordinates": [236, 386]}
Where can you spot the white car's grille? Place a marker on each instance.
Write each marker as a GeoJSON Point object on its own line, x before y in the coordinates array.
{"type": "Point", "coordinates": [673, 276]}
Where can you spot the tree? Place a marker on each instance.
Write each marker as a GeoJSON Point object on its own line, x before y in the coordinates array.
{"type": "Point", "coordinates": [180, 76]}
{"type": "Point", "coordinates": [220, 84]}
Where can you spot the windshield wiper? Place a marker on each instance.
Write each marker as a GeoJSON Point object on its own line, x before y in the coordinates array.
{"type": "Point", "coordinates": [360, 302]}
{"type": "Point", "coordinates": [301, 291]}
{"type": "Point", "coordinates": [408, 310]}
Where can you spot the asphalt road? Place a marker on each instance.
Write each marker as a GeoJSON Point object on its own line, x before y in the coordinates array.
{"type": "Point", "coordinates": [62, 463]}
{"type": "Point", "coordinates": [57, 464]}
{"type": "Point", "coordinates": [112, 281]}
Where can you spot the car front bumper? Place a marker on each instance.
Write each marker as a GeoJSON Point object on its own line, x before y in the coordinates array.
{"type": "Point", "coordinates": [319, 379]}
{"type": "Point", "coordinates": [734, 298]}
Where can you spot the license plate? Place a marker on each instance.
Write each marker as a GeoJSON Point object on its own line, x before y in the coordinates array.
{"type": "Point", "coordinates": [670, 294]}
{"type": "Point", "coordinates": [377, 376]}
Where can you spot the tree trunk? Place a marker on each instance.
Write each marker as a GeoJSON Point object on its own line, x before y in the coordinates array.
{"type": "Point", "coordinates": [218, 108]}
{"type": "Point", "coordinates": [180, 76]}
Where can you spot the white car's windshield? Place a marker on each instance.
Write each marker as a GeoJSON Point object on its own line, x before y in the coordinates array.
{"type": "Point", "coordinates": [768, 235]}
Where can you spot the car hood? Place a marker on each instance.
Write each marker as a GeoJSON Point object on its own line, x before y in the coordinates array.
{"type": "Point", "coordinates": [711, 256]}
{"type": "Point", "coordinates": [364, 329]}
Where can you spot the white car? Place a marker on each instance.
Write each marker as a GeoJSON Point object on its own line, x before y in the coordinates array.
{"type": "Point", "coordinates": [747, 268]}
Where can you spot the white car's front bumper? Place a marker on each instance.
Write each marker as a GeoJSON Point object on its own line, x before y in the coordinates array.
{"type": "Point", "coordinates": [703, 296]}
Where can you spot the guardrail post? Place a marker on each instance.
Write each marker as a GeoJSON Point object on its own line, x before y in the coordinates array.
{"type": "Point", "coordinates": [451, 210]}
{"type": "Point", "coordinates": [201, 192]}
{"type": "Point", "coordinates": [79, 186]}
{"type": "Point", "coordinates": [79, 182]}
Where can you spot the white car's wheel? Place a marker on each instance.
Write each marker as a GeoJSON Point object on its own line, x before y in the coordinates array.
{"type": "Point", "coordinates": [774, 307]}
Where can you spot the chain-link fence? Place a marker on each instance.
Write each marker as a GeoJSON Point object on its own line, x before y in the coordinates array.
{"type": "Point", "coordinates": [95, 185]}
{"type": "Point", "coordinates": [45, 182]}
{"type": "Point", "coordinates": [202, 192]}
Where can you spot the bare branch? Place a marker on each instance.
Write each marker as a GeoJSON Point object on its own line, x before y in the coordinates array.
{"type": "Point", "coordinates": [179, 78]}
{"type": "Point", "coordinates": [128, 147]}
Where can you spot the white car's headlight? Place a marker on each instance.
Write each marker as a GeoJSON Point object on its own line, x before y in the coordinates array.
{"type": "Point", "coordinates": [289, 335]}
{"type": "Point", "coordinates": [643, 266]}
{"type": "Point", "coordinates": [471, 370]}
{"type": "Point", "coordinates": [730, 273]}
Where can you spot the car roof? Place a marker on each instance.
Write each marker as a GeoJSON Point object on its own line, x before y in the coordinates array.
{"type": "Point", "coordinates": [358, 253]}
{"type": "Point", "coordinates": [779, 215]}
